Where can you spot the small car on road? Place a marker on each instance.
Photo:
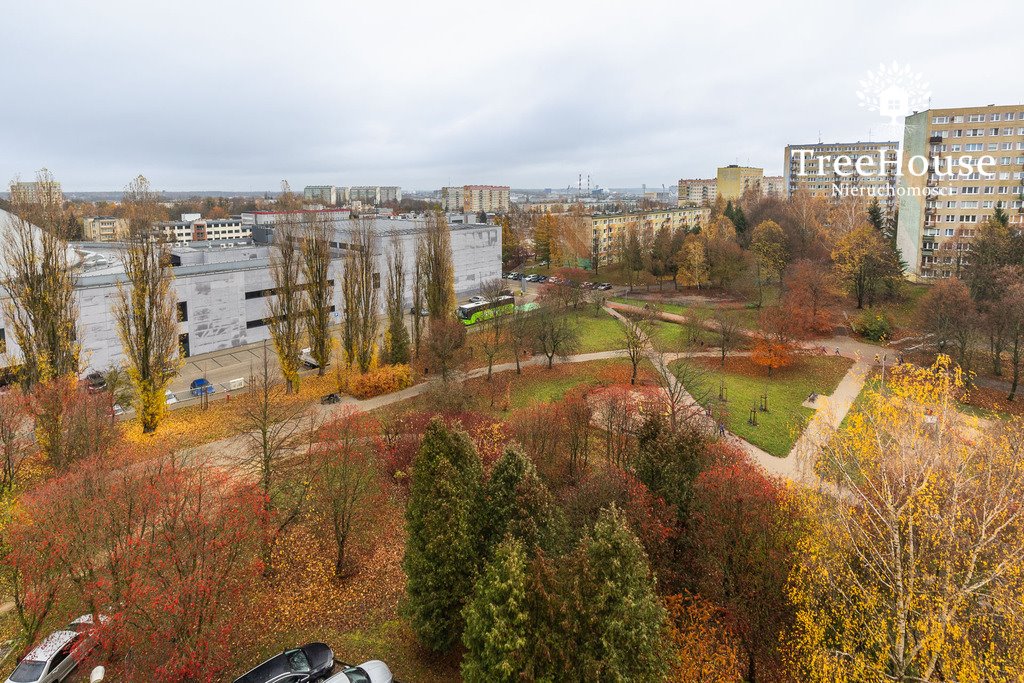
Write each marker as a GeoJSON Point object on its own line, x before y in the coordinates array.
{"type": "Point", "coordinates": [201, 386]}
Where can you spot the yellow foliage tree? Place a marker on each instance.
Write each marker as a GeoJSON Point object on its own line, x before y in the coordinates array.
{"type": "Point", "coordinates": [914, 569]}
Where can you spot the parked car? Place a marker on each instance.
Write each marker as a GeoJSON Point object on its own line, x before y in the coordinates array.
{"type": "Point", "coordinates": [58, 655]}
{"type": "Point", "coordinates": [424, 313]}
{"type": "Point", "coordinates": [587, 285]}
{"type": "Point", "coordinates": [118, 409]}
{"type": "Point", "coordinates": [306, 356]}
{"type": "Point", "coordinates": [171, 398]}
{"type": "Point", "coordinates": [604, 286]}
{"type": "Point", "coordinates": [477, 299]}
{"type": "Point", "coordinates": [542, 278]}
{"type": "Point", "coordinates": [533, 278]}
{"type": "Point", "coordinates": [373, 671]}
{"type": "Point", "coordinates": [311, 662]}
{"type": "Point", "coordinates": [201, 386]}
{"type": "Point", "coordinates": [96, 380]}
{"type": "Point", "coordinates": [330, 399]}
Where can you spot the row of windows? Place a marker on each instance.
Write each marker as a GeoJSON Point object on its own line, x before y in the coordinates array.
{"type": "Point", "coordinates": [976, 132]}
{"type": "Point", "coordinates": [978, 147]}
{"type": "Point", "coordinates": [990, 204]}
{"type": "Point", "coordinates": [262, 293]}
{"type": "Point", "coordinates": [979, 118]}
{"type": "Point", "coordinates": [263, 322]}
{"type": "Point", "coordinates": [987, 189]}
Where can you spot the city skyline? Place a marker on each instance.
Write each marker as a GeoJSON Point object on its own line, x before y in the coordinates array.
{"type": "Point", "coordinates": [238, 97]}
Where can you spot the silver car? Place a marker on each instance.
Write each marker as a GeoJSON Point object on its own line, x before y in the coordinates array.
{"type": "Point", "coordinates": [52, 660]}
{"type": "Point", "coordinates": [373, 671]}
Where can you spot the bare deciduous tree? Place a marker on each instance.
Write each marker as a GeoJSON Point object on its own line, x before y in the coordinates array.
{"type": "Point", "coordinates": [287, 307]}
{"type": "Point", "coordinates": [275, 430]}
{"type": "Point", "coordinates": [635, 337]}
{"type": "Point", "coordinates": [446, 340]}
{"type": "Point", "coordinates": [345, 479]}
{"type": "Point", "coordinates": [39, 280]}
{"type": "Point", "coordinates": [146, 309]}
{"type": "Point", "coordinates": [397, 341]}
{"type": "Point", "coordinates": [360, 284]}
{"type": "Point", "coordinates": [727, 328]}
{"type": "Point", "coordinates": [684, 386]}
{"type": "Point", "coordinates": [493, 335]}
{"type": "Point", "coordinates": [439, 272]}
{"type": "Point", "coordinates": [418, 294]}
{"type": "Point", "coordinates": [316, 270]}
{"type": "Point", "coordinates": [555, 333]}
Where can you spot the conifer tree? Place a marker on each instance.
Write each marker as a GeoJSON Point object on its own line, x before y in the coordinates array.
{"type": "Point", "coordinates": [498, 631]}
{"type": "Point", "coordinates": [442, 549]}
{"type": "Point", "coordinates": [621, 623]}
{"type": "Point", "coordinates": [516, 503]}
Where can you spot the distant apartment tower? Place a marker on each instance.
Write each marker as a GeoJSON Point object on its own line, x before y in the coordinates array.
{"type": "Point", "coordinates": [940, 211]}
{"type": "Point", "coordinates": [194, 228]}
{"type": "Point", "coordinates": [734, 180]}
{"type": "Point", "coordinates": [475, 198]}
{"type": "Point", "coordinates": [607, 232]}
{"type": "Point", "coordinates": [104, 229]}
{"type": "Point", "coordinates": [367, 194]}
{"type": "Point", "coordinates": [390, 194]}
{"type": "Point", "coordinates": [697, 192]}
{"type": "Point", "coordinates": [36, 193]}
{"type": "Point", "coordinates": [828, 169]}
{"type": "Point", "coordinates": [452, 199]}
{"type": "Point", "coordinates": [773, 186]}
{"type": "Point", "coordinates": [321, 194]}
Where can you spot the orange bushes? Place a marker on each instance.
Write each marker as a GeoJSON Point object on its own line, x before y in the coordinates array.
{"type": "Point", "coordinates": [381, 380]}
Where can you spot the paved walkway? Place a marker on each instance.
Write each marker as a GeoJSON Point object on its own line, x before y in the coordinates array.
{"type": "Point", "coordinates": [796, 466]}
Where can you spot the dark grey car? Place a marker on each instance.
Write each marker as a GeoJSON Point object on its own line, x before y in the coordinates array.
{"type": "Point", "coordinates": [305, 664]}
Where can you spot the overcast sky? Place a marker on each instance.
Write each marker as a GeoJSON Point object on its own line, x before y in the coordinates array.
{"type": "Point", "coordinates": [238, 95]}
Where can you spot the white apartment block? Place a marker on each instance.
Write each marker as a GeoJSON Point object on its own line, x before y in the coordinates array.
{"type": "Point", "coordinates": [193, 228]}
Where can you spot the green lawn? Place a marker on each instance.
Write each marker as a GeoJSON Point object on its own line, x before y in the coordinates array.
{"type": "Point", "coordinates": [540, 385]}
{"type": "Point", "coordinates": [598, 333]}
{"type": "Point", "coordinates": [777, 429]}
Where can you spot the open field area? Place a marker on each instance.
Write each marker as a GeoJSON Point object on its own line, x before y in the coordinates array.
{"type": "Point", "coordinates": [743, 384]}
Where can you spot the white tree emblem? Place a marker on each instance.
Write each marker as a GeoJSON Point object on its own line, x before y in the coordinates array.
{"type": "Point", "coordinates": [893, 91]}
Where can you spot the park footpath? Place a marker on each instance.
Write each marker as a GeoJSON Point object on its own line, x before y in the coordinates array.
{"type": "Point", "coordinates": [797, 466]}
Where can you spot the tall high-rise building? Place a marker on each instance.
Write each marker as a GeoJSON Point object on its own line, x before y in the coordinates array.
{"type": "Point", "coordinates": [367, 194]}
{"type": "Point", "coordinates": [958, 166]}
{"type": "Point", "coordinates": [734, 180]}
{"type": "Point", "coordinates": [324, 194]}
{"type": "Point", "coordinates": [830, 170]}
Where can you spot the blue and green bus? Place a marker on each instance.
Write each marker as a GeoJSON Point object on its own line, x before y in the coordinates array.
{"type": "Point", "coordinates": [471, 314]}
